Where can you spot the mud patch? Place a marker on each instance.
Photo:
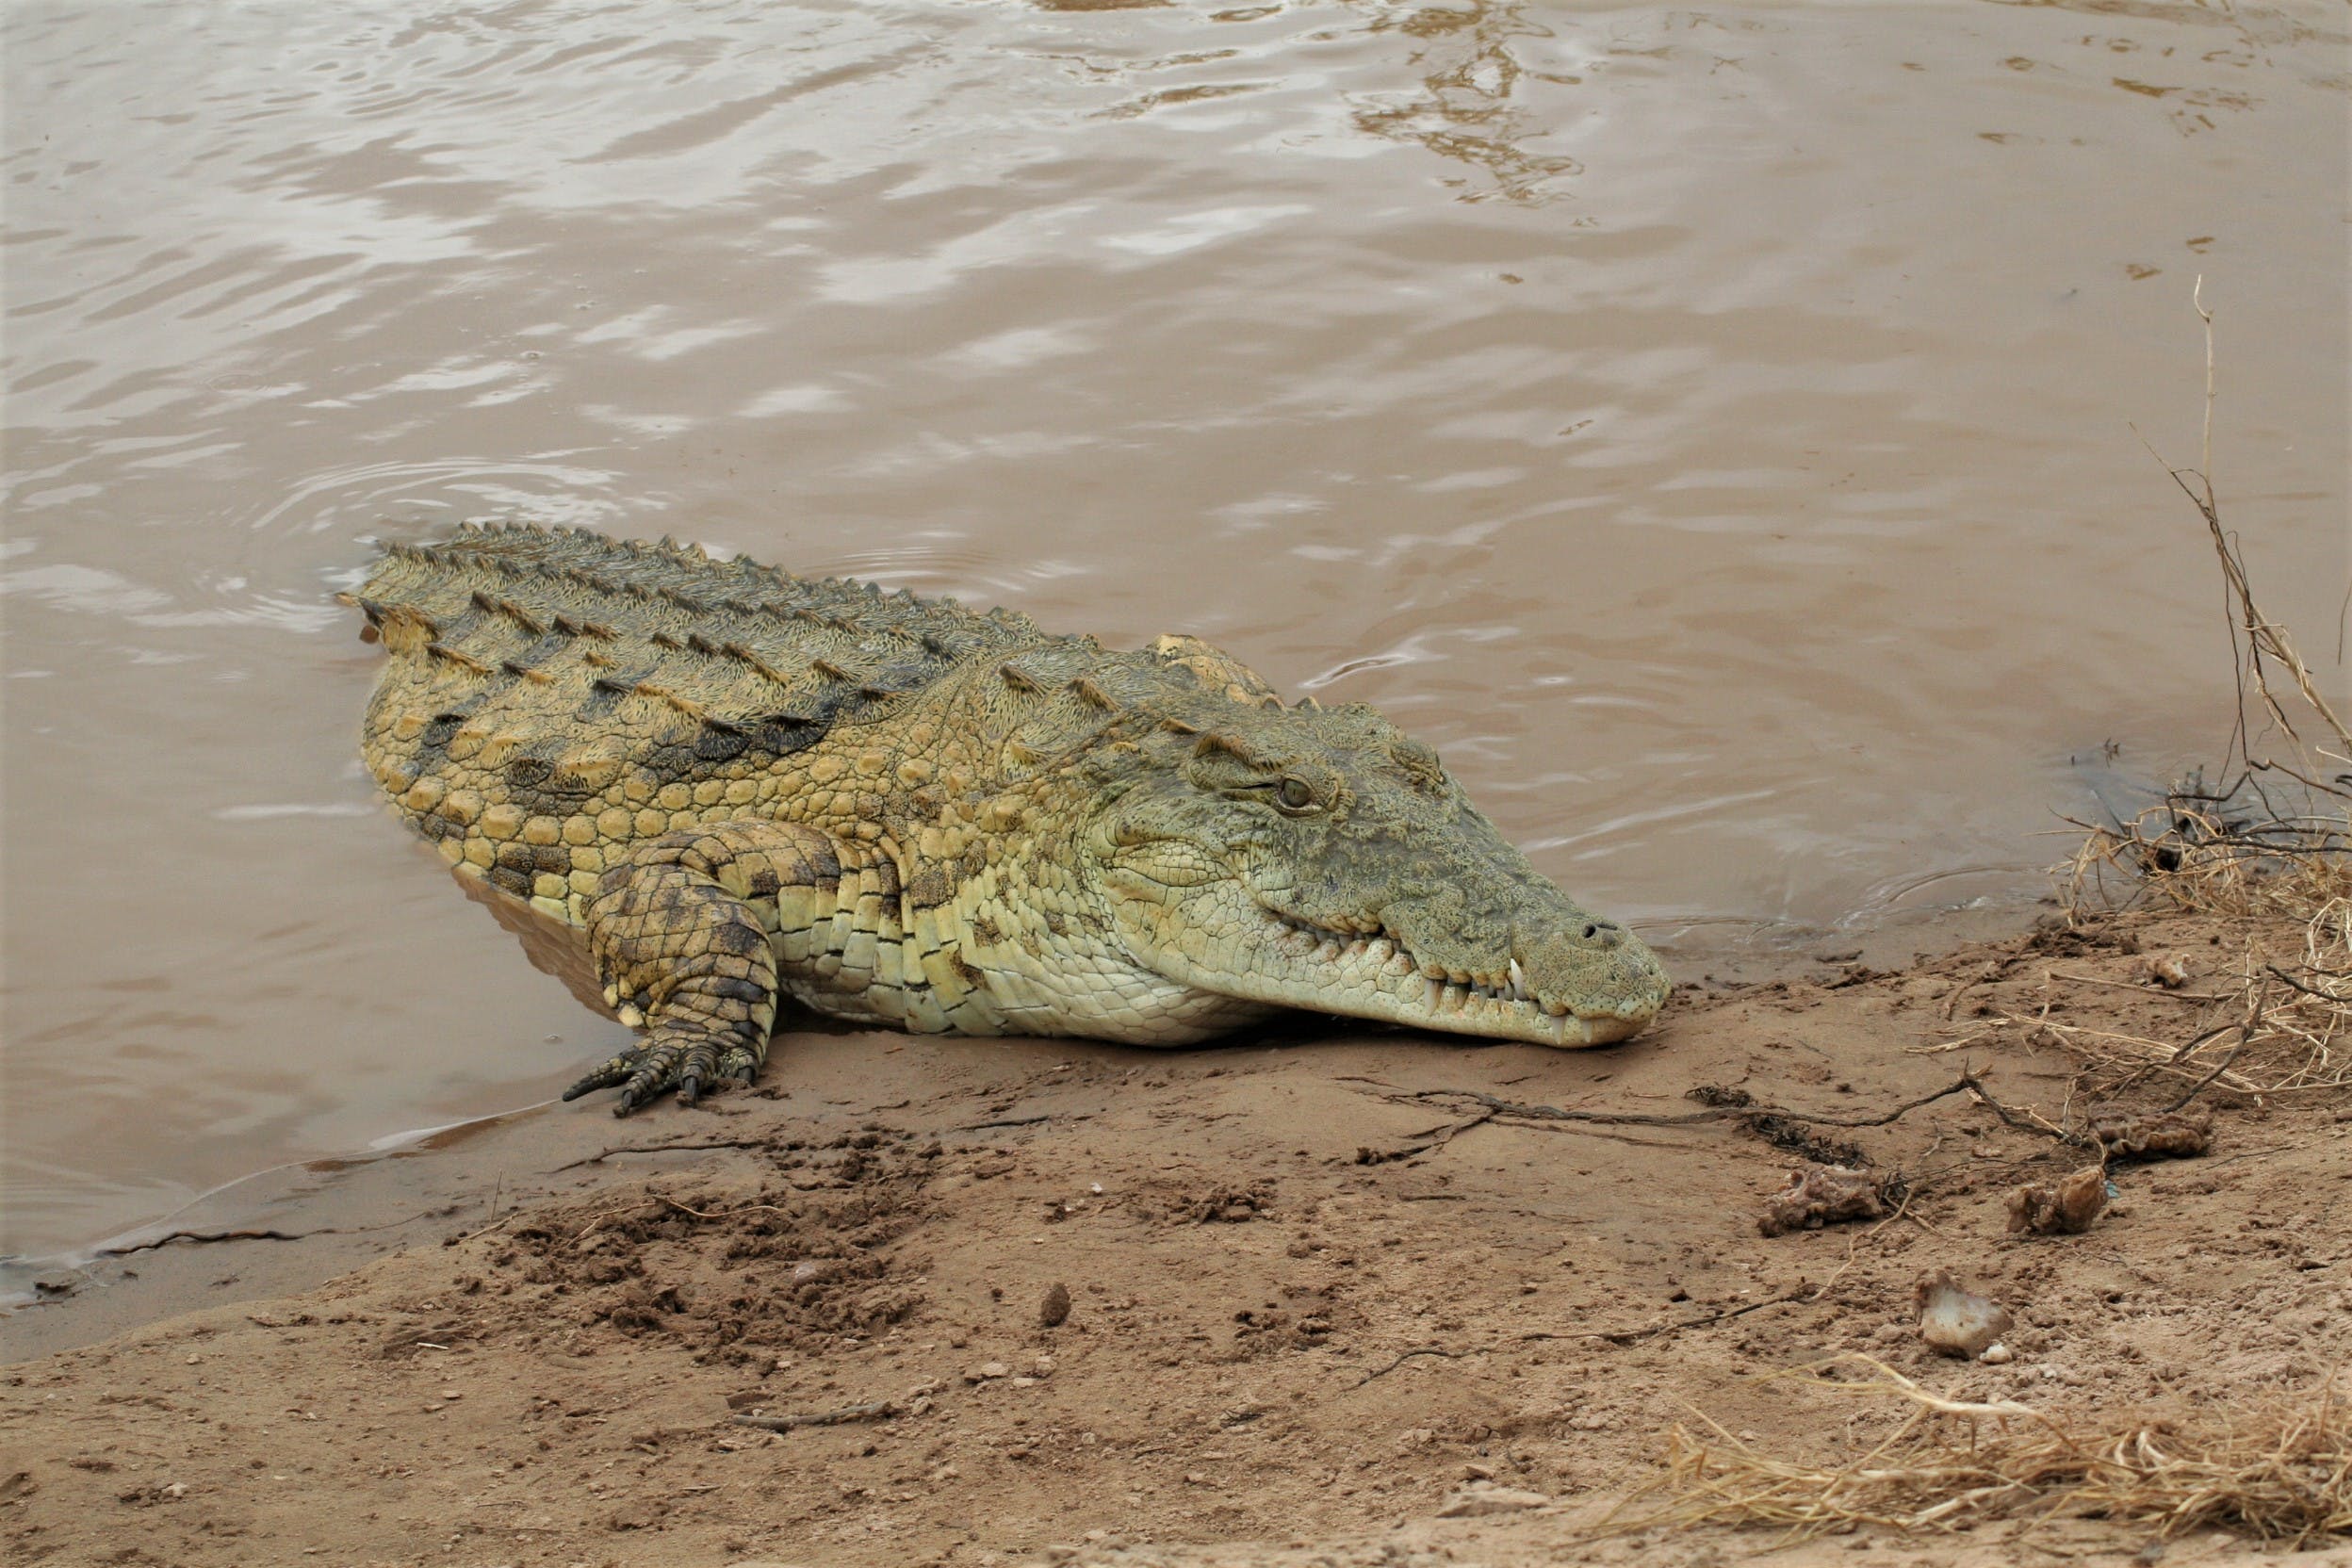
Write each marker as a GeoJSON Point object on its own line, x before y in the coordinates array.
{"type": "Point", "coordinates": [736, 1272]}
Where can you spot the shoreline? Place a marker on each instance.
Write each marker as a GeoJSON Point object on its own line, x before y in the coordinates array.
{"type": "Point", "coordinates": [336, 1211]}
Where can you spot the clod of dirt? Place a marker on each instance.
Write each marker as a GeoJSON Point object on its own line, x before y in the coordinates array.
{"type": "Point", "coordinates": [1822, 1194]}
{"type": "Point", "coordinates": [2066, 1209]}
{"type": "Point", "coordinates": [1213, 1203]}
{"type": "Point", "coordinates": [1054, 1310]}
{"type": "Point", "coordinates": [1956, 1321]}
{"type": "Point", "coordinates": [2153, 1134]}
{"type": "Point", "coordinates": [1480, 1498]}
{"type": "Point", "coordinates": [2168, 972]}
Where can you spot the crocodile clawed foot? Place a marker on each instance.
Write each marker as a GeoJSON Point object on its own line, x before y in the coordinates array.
{"type": "Point", "coordinates": [691, 1065]}
{"type": "Point", "coordinates": [641, 1075]}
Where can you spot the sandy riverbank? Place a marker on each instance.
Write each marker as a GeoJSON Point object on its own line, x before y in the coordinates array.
{"type": "Point", "coordinates": [1249, 1239]}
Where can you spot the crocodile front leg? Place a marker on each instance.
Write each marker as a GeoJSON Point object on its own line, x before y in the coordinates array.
{"type": "Point", "coordinates": [680, 935]}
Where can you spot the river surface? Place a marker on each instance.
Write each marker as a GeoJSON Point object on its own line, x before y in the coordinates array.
{"type": "Point", "coordinates": [1719, 430]}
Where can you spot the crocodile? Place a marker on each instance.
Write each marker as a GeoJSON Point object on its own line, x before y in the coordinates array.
{"type": "Point", "coordinates": [742, 786]}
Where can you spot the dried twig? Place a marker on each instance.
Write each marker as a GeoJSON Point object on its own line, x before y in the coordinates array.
{"type": "Point", "coordinates": [1425, 1350]}
{"type": "Point", "coordinates": [1499, 1107]}
{"type": "Point", "coordinates": [603, 1154]}
{"type": "Point", "coordinates": [154, 1242]}
{"type": "Point", "coordinates": [879, 1410]}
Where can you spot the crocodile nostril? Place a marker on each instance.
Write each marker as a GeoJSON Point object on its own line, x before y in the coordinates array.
{"type": "Point", "coordinates": [1591, 932]}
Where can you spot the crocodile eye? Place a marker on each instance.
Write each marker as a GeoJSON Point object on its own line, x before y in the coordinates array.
{"type": "Point", "coordinates": [1294, 794]}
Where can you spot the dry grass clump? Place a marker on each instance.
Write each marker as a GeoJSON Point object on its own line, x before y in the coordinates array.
{"type": "Point", "coordinates": [2284, 995]}
{"type": "Point", "coordinates": [2203, 854]}
{"type": "Point", "coordinates": [2279, 1470]}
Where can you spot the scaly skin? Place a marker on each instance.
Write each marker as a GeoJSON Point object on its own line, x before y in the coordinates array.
{"type": "Point", "coordinates": [745, 786]}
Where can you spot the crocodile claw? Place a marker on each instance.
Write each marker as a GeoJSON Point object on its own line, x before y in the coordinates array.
{"type": "Point", "coordinates": [643, 1075]}
{"type": "Point", "coordinates": [617, 1070]}
{"type": "Point", "coordinates": [656, 1070]}
{"type": "Point", "coordinates": [692, 1066]}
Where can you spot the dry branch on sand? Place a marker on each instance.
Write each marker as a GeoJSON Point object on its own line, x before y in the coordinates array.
{"type": "Point", "coordinates": [2277, 1470]}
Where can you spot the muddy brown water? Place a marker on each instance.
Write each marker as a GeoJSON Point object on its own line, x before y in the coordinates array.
{"type": "Point", "coordinates": [1712, 428]}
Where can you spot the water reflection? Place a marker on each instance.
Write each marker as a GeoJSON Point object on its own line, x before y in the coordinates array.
{"type": "Point", "coordinates": [1467, 112]}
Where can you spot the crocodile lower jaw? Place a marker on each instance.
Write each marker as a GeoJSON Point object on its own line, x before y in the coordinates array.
{"type": "Point", "coordinates": [1377, 977]}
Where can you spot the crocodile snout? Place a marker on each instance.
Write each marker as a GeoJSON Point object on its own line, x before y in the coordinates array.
{"type": "Point", "coordinates": [1590, 967]}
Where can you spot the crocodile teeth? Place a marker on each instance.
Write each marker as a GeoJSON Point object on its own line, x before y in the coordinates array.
{"type": "Point", "coordinates": [1518, 982]}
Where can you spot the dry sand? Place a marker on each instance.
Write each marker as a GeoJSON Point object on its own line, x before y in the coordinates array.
{"type": "Point", "coordinates": [1311, 1305]}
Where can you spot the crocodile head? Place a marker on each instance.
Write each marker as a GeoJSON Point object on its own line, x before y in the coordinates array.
{"type": "Point", "coordinates": [1323, 859]}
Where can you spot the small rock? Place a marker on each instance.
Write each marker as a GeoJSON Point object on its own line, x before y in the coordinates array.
{"type": "Point", "coordinates": [1054, 1310]}
{"type": "Point", "coordinates": [2168, 972]}
{"type": "Point", "coordinates": [2066, 1209]}
{"type": "Point", "coordinates": [177, 1489]}
{"type": "Point", "coordinates": [1480, 1498]}
{"type": "Point", "coordinates": [2153, 1134]}
{"type": "Point", "coordinates": [1954, 1322]}
{"type": "Point", "coordinates": [1042, 1367]}
{"type": "Point", "coordinates": [987, 1371]}
{"type": "Point", "coordinates": [1822, 1194]}
{"type": "Point", "coordinates": [1997, 1355]}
